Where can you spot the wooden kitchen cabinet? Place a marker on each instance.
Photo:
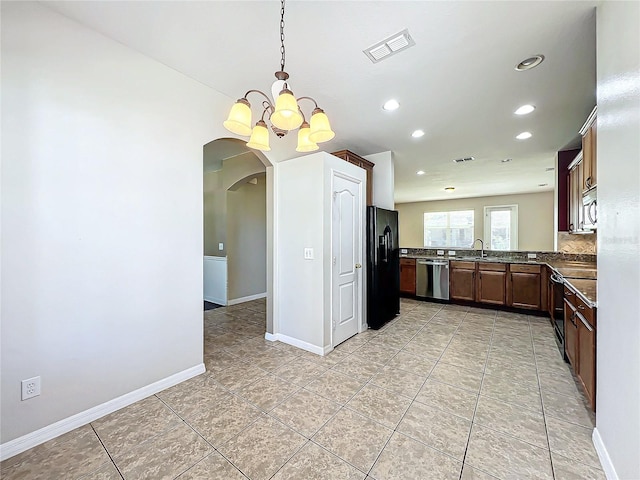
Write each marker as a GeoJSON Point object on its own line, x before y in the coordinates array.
{"type": "Point", "coordinates": [580, 342]}
{"type": "Point", "coordinates": [525, 286]}
{"type": "Point", "coordinates": [575, 179]}
{"type": "Point", "coordinates": [356, 159]}
{"type": "Point", "coordinates": [589, 153]}
{"type": "Point", "coordinates": [492, 283]}
{"type": "Point", "coordinates": [408, 276]}
{"type": "Point", "coordinates": [462, 281]}
{"type": "Point", "coordinates": [586, 368]}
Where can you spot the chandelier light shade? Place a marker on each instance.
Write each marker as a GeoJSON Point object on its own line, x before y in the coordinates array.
{"type": "Point", "coordinates": [259, 137]}
{"type": "Point", "coordinates": [285, 115]}
{"type": "Point", "coordinates": [239, 120]}
{"type": "Point", "coordinates": [320, 128]}
{"type": "Point", "coordinates": [304, 144]}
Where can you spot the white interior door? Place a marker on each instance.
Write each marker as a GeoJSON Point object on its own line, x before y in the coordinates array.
{"type": "Point", "coordinates": [346, 273]}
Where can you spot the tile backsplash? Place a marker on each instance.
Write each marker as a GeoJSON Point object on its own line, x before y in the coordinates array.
{"type": "Point", "coordinates": [579, 244]}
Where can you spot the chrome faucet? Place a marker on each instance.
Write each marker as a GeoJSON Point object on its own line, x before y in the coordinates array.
{"type": "Point", "coordinates": [482, 254]}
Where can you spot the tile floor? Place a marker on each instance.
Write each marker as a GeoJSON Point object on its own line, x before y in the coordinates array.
{"type": "Point", "coordinates": [442, 392]}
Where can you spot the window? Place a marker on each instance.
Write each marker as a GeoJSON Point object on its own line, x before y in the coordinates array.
{"type": "Point", "coordinates": [501, 227]}
{"type": "Point", "coordinates": [448, 229]}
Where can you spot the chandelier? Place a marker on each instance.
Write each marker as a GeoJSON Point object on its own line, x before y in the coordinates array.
{"type": "Point", "coordinates": [284, 116]}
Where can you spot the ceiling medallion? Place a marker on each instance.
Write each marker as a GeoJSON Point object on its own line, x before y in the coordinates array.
{"type": "Point", "coordinates": [284, 116]}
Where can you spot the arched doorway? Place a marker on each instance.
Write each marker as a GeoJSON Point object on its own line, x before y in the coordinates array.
{"type": "Point", "coordinates": [238, 219]}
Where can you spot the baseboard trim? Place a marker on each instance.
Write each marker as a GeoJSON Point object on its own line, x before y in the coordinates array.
{"type": "Point", "coordinates": [603, 455]}
{"type": "Point", "coordinates": [217, 301]}
{"type": "Point", "coordinates": [296, 343]}
{"type": "Point", "coordinates": [30, 440]}
{"type": "Point", "coordinates": [236, 301]}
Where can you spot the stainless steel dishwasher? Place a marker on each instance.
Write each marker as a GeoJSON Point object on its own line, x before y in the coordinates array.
{"type": "Point", "coordinates": [432, 279]}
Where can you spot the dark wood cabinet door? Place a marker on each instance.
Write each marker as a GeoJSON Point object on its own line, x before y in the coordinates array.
{"type": "Point", "coordinates": [570, 334]}
{"type": "Point", "coordinates": [408, 276]}
{"type": "Point", "coordinates": [586, 367]}
{"type": "Point", "coordinates": [525, 290]}
{"type": "Point", "coordinates": [362, 163]}
{"type": "Point", "coordinates": [492, 287]}
{"type": "Point", "coordinates": [462, 284]}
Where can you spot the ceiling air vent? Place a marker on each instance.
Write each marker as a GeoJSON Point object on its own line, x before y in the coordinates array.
{"type": "Point", "coordinates": [389, 46]}
{"type": "Point", "coordinates": [465, 159]}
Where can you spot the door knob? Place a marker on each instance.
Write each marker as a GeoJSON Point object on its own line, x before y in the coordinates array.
{"type": "Point", "coordinates": [358, 265]}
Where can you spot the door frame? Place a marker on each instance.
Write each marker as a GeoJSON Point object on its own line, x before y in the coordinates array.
{"type": "Point", "coordinates": [361, 278]}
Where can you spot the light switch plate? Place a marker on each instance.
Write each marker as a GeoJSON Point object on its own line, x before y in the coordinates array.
{"type": "Point", "coordinates": [403, 250]}
{"type": "Point", "coordinates": [308, 253]}
{"type": "Point", "coordinates": [221, 246]}
{"type": "Point", "coordinates": [452, 253]}
{"type": "Point", "coordinates": [440, 252]}
{"type": "Point", "coordinates": [531, 256]}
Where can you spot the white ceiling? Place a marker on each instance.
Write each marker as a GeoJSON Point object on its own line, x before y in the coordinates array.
{"type": "Point", "coordinates": [457, 83]}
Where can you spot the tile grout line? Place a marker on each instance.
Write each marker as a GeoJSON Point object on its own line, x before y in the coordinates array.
{"type": "Point", "coordinates": [107, 451]}
{"type": "Point", "coordinates": [475, 408]}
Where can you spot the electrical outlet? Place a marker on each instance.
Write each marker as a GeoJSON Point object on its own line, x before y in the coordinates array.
{"type": "Point", "coordinates": [30, 388]}
{"type": "Point", "coordinates": [440, 252]}
{"type": "Point", "coordinates": [308, 253]}
{"type": "Point", "coordinates": [531, 256]}
{"type": "Point", "coordinates": [452, 253]}
{"type": "Point", "coordinates": [403, 251]}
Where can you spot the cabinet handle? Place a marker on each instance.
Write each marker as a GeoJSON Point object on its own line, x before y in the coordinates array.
{"type": "Point", "coordinates": [584, 322]}
{"type": "Point", "coordinates": [581, 307]}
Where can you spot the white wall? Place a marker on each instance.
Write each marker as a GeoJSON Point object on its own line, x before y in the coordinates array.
{"type": "Point", "coordinates": [383, 179]}
{"type": "Point", "coordinates": [535, 218]}
{"type": "Point", "coordinates": [247, 239]}
{"type": "Point", "coordinates": [303, 220]}
{"type": "Point", "coordinates": [618, 350]}
{"type": "Point", "coordinates": [101, 217]}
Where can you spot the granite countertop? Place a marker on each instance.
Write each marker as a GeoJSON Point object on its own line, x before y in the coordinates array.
{"type": "Point", "coordinates": [585, 289]}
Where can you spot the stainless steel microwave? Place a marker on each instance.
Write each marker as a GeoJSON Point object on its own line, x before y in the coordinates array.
{"type": "Point", "coordinates": [590, 210]}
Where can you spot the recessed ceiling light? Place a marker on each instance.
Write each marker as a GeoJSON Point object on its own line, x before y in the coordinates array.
{"type": "Point", "coordinates": [390, 105]}
{"type": "Point", "coordinates": [449, 189]}
{"type": "Point", "coordinates": [543, 184]}
{"type": "Point", "coordinates": [418, 134]}
{"type": "Point", "coordinates": [506, 160]}
{"type": "Point", "coordinates": [529, 63]}
{"type": "Point", "coordinates": [420, 172]}
{"type": "Point", "coordinates": [549, 169]}
{"type": "Point", "coordinates": [525, 109]}
{"type": "Point", "coordinates": [524, 135]}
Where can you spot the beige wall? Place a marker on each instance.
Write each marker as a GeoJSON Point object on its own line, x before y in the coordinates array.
{"type": "Point", "coordinates": [247, 239]}
{"type": "Point", "coordinates": [535, 218]}
{"type": "Point", "coordinates": [216, 185]}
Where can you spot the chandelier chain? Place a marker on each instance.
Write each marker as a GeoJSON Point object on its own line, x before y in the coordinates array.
{"type": "Point", "coordinates": [282, 35]}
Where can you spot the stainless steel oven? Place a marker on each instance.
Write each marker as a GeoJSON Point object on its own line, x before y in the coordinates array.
{"type": "Point", "coordinates": [556, 310]}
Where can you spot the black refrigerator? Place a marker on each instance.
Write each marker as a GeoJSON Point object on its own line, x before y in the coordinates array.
{"type": "Point", "coordinates": [383, 266]}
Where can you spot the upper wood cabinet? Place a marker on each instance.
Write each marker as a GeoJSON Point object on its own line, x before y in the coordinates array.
{"type": "Point", "coordinates": [589, 153]}
{"type": "Point", "coordinates": [408, 276]}
{"type": "Point", "coordinates": [525, 286]}
{"type": "Point", "coordinates": [575, 179]}
{"type": "Point", "coordinates": [462, 281]}
{"type": "Point", "coordinates": [356, 159]}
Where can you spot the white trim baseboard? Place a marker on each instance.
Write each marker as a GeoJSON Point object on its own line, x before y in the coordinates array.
{"type": "Point", "coordinates": [297, 343]}
{"type": "Point", "coordinates": [603, 455]}
{"type": "Point", "coordinates": [30, 440]}
{"type": "Point", "coordinates": [236, 301]}
{"type": "Point", "coordinates": [217, 301]}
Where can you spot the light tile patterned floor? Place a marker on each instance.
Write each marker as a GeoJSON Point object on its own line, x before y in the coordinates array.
{"type": "Point", "coordinates": [442, 392]}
